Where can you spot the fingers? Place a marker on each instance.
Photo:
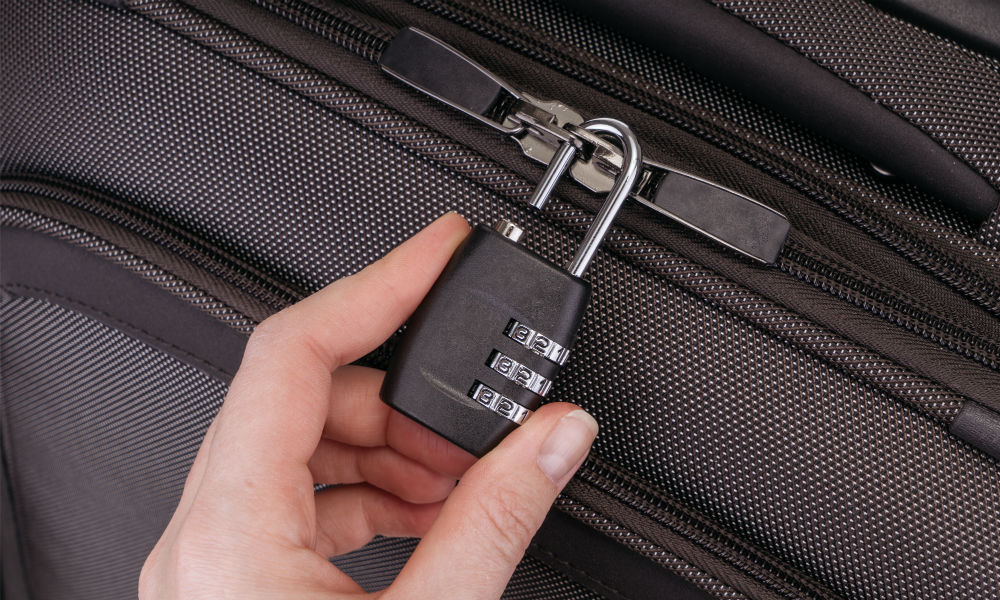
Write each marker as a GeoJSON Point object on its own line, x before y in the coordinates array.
{"type": "Point", "coordinates": [356, 413]}
{"type": "Point", "coordinates": [278, 402]}
{"type": "Point", "coordinates": [351, 317]}
{"type": "Point", "coordinates": [426, 447]}
{"type": "Point", "coordinates": [489, 519]}
{"type": "Point", "coordinates": [383, 468]}
{"type": "Point", "coordinates": [357, 416]}
{"type": "Point", "coordinates": [348, 517]}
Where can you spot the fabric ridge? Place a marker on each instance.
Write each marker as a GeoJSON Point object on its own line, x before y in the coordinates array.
{"type": "Point", "coordinates": [832, 458]}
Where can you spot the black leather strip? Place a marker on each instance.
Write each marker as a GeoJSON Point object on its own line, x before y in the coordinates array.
{"type": "Point", "coordinates": [979, 426]}
{"type": "Point", "coordinates": [597, 562]}
{"type": "Point", "coordinates": [36, 265]}
{"type": "Point", "coordinates": [727, 49]}
{"type": "Point", "coordinates": [974, 22]}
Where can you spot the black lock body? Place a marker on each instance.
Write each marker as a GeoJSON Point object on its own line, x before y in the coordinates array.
{"type": "Point", "coordinates": [475, 345]}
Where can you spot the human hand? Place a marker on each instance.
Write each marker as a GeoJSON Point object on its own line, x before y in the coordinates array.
{"type": "Point", "coordinates": [249, 525]}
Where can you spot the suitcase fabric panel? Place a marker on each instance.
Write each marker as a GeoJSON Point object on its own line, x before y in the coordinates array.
{"type": "Point", "coordinates": [724, 412]}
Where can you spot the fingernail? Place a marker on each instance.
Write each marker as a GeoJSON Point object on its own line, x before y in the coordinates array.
{"type": "Point", "coordinates": [568, 442]}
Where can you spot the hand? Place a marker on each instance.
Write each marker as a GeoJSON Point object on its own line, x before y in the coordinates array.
{"type": "Point", "coordinates": [249, 525]}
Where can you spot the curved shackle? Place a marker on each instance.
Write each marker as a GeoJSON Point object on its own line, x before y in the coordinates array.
{"type": "Point", "coordinates": [631, 169]}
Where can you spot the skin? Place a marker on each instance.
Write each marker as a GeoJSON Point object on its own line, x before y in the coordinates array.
{"type": "Point", "coordinates": [249, 525]}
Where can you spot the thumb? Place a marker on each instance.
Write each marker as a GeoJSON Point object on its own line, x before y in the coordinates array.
{"type": "Point", "coordinates": [490, 517]}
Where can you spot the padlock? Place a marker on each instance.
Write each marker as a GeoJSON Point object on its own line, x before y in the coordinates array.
{"type": "Point", "coordinates": [482, 350]}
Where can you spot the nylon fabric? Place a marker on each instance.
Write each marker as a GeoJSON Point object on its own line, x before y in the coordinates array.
{"type": "Point", "coordinates": [376, 565]}
{"type": "Point", "coordinates": [806, 459]}
{"type": "Point", "coordinates": [924, 395]}
{"type": "Point", "coordinates": [100, 430]}
{"type": "Point", "coordinates": [949, 91]}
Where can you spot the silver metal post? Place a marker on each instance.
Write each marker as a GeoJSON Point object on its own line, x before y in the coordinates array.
{"type": "Point", "coordinates": [631, 169]}
{"type": "Point", "coordinates": [557, 166]}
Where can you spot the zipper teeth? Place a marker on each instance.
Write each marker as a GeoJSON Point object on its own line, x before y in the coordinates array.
{"type": "Point", "coordinates": [366, 39]}
{"type": "Point", "coordinates": [344, 28]}
{"type": "Point", "coordinates": [271, 294]}
{"type": "Point", "coordinates": [868, 296]}
{"type": "Point", "coordinates": [624, 488]}
{"type": "Point", "coordinates": [944, 268]}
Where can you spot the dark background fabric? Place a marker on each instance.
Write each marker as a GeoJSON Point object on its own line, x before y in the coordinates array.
{"type": "Point", "coordinates": [839, 479]}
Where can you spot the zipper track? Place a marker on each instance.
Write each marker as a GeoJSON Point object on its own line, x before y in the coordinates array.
{"type": "Point", "coordinates": [342, 27]}
{"type": "Point", "coordinates": [945, 268]}
{"type": "Point", "coordinates": [727, 547]}
{"type": "Point", "coordinates": [350, 31]}
{"type": "Point", "coordinates": [871, 296]}
{"type": "Point", "coordinates": [227, 268]}
{"type": "Point", "coordinates": [773, 575]}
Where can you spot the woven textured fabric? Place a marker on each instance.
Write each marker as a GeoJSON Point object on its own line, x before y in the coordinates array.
{"type": "Point", "coordinates": [655, 553]}
{"type": "Point", "coordinates": [676, 79]}
{"type": "Point", "coordinates": [990, 231]}
{"type": "Point", "coordinates": [950, 92]}
{"type": "Point", "coordinates": [926, 396]}
{"type": "Point", "coordinates": [20, 218]}
{"type": "Point", "coordinates": [798, 455]}
{"type": "Point", "coordinates": [100, 430]}
{"type": "Point", "coordinates": [376, 565]}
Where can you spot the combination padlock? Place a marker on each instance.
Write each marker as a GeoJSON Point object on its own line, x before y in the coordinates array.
{"type": "Point", "coordinates": [482, 350]}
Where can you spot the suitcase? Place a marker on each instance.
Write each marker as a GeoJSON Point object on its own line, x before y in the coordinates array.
{"type": "Point", "coordinates": [793, 343]}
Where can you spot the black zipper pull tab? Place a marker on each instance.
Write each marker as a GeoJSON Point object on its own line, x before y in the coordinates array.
{"type": "Point", "coordinates": [728, 217]}
{"type": "Point", "coordinates": [550, 131]}
{"type": "Point", "coordinates": [446, 74]}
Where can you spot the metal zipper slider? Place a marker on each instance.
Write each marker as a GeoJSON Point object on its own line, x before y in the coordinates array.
{"type": "Point", "coordinates": [551, 130]}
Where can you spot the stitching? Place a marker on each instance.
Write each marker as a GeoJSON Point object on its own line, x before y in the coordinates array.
{"type": "Point", "coordinates": [580, 572]}
{"type": "Point", "coordinates": [117, 320]}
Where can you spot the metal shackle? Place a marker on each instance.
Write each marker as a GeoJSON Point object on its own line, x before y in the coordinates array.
{"type": "Point", "coordinates": [626, 180]}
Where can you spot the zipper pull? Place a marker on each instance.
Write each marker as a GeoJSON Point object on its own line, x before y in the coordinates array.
{"type": "Point", "coordinates": [446, 74]}
{"type": "Point", "coordinates": [544, 127]}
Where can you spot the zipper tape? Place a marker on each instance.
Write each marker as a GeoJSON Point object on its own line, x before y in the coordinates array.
{"type": "Point", "coordinates": [540, 127]}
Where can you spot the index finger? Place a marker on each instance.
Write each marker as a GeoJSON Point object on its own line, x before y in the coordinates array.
{"type": "Point", "coordinates": [277, 404]}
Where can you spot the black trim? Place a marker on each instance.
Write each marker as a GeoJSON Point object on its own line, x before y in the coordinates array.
{"type": "Point", "coordinates": [973, 22]}
{"type": "Point", "coordinates": [978, 426]}
{"type": "Point", "coordinates": [604, 566]}
{"type": "Point", "coordinates": [36, 265]}
{"type": "Point", "coordinates": [725, 48]}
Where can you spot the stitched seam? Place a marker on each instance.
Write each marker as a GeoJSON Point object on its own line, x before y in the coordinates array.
{"type": "Point", "coordinates": [11, 496]}
{"type": "Point", "coordinates": [117, 320]}
{"type": "Point", "coordinates": [211, 297]}
{"type": "Point", "coordinates": [580, 572]}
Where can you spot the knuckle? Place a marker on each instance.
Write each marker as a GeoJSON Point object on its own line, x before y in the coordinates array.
{"type": "Point", "coordinates": [510, 518]}
{"type": "Point", "coordinates": [267, 331]}
{"type": "Point", "coordinates": [148, 579]}
{"type": "Point", "coordinates": [168, 567]}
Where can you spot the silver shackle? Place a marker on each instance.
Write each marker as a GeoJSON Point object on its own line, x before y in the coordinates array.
{"type": "Point", "coordinates": [631, 169]}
